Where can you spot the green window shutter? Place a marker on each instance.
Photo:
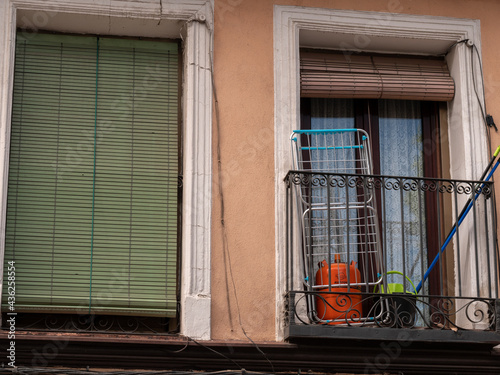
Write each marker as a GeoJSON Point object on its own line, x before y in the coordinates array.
{"type": "Point", "coordinates": [103, 237]}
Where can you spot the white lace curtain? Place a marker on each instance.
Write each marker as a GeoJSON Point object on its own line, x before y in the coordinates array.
{"type": "Point", "coordinates": [401, 154]}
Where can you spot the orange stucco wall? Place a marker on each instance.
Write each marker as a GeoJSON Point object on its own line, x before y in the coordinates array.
{"type": "Point", "coordinates": [244, 85]}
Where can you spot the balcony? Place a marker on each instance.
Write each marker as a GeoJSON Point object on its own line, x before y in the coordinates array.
{"type": "Point", "coordinates": [374, 257]}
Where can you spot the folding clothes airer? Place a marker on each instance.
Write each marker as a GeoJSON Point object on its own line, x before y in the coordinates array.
{"type": "Point", "coordinates": [467, 207]}
{"type": "Point", "coordinates": [339, 221]}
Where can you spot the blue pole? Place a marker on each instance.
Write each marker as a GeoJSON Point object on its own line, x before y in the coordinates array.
{"type": "Point", "coordinates": [454, 229]}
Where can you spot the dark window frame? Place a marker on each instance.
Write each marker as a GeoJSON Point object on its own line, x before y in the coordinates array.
{"type": "Point", "coordinates": [366, 117]}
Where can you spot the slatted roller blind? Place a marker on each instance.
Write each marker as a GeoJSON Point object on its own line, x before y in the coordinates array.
{"type": "Point", "coordinates": [331, 75]}
{"type": "Point", "coordinates": [92, 197]}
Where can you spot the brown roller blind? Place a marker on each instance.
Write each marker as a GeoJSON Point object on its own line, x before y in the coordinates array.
{"type": "Point", "coordinates": [329, 75]}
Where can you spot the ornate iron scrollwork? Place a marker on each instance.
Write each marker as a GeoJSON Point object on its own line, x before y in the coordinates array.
{"type": "Point", "coordinates": [397, 310]}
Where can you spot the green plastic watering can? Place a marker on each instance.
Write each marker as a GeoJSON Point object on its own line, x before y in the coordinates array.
{"type": "Point", "coordinates": [396, 287]}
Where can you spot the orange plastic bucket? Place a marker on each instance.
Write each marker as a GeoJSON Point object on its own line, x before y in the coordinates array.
{"type": "Point", "coordinates": [333, 305]}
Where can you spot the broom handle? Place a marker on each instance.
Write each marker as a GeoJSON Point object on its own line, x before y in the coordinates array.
{"type": "Point", "coordinates": [468, 205]}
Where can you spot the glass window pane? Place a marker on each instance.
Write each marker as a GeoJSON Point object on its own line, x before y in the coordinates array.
{"type": "Point", "coordinates": [332, 113]}
{"type": "Point", "coordinates": [401, 154]}
{"type": "Point", "coordinates": [334, 153]}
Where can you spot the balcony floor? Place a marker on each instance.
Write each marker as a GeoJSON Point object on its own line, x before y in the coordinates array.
{"type": "Point", "coordinates": [391, 334]}
{"type": "Point", "coordinates": [341, 316]}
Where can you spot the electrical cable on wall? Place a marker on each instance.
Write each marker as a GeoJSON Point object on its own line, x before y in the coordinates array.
{"type": "Point", "coordinates": [222, 210]}
{"type": "Point", "coordinates": [216, 352]}
{"type": "Point", "coordinates": [225, 245]}
{"type": "Point", "coordinates": [88, 371]}
{"type": "Point", "coordinates": [487, 118]}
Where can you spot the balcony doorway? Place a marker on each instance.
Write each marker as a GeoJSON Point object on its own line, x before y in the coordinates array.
{"type": "Point", "coordinates": [405, 141]}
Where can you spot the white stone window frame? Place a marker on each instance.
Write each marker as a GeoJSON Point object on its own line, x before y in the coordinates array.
{"type": "Point", "coordinates": [190, 20]}
{"type": "Point", "coordinates": [378, 32]}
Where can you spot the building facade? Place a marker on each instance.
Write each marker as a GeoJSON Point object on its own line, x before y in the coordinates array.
{"type": "Point", "coordinates": [202, 141]}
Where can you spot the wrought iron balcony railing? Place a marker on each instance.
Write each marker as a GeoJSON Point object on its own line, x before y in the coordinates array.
{"type": "Point", "coordinates": [393, 252]}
